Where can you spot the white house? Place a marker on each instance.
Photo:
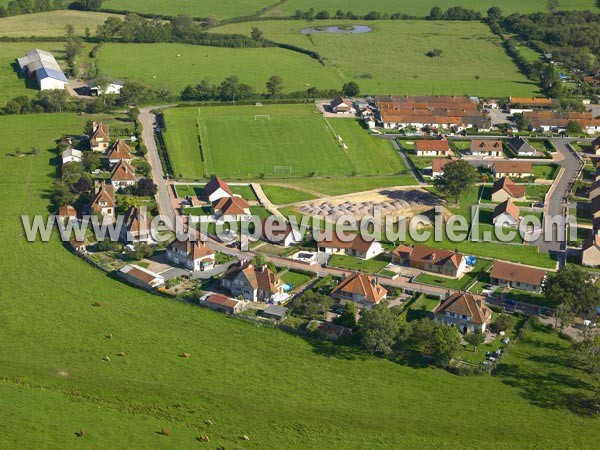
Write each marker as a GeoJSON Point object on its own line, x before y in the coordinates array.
{"type": "Point", "coordinates": [487, 148]}
{"type": "Point", "coordinates": [193, 255]}
{"type": "Point", "coordinates": [137, 226]}
{"type": "Point", "coordinates": [466, 311]}
{"type": "Point", "coordinates": [122, 175]}
{"type": "Point", "coordinates": [521, 147]}
{"type": "Point", "coordinates": [71, 155]}
{"type": "Point", "coordinates": [343, 106]}
{"type": "Point", "coordinates": [141, 277]}
{"type": "Point", "coordinates": [356, 246]}
{"type": "Point", "coordinates": [280, 232]}
{"type": "Point", "coordinates": [216, 189]}
{"type": "Point", "coordinates": [506, 214]}
{"type": "Point", "coordinates": [110, 87]}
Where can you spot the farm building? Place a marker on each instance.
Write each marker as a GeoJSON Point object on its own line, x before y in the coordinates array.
{"type": "Point", "coordinates": [521, 147]}
{"type": "Point", "coordinates": [122, 175]}
{"type": "Point", "coordinates": [444, 262]}
{"type": "Point", "coordinates": [253, 283]}
{"type": "Point", "coordinates": [466, 311]}
{"type": "Point", "coordinates": [506, 214]}
{"type": "Point", "coordinates": [193, 255]}
{"type": "Point", "coordinates": [98, 87]}
{"type": "Point", "coordinates": [357, 246]}
{"type": "Point", "coordinates": [432, 147]}
{"type": "Point", "coordinates": [137, 226]}
{"type": "Point", "coordinates": [360, 288]}
{"type": "Point", "coordinates": [141, 277]}
{"type": "Point", "coordinates": [221, 303]}
{"type": "Point", "coordinates": [486, 147]}
{"type": "Point", "coordinates": [42, 66]}
{"type": "Point", "coordinates": [513, 169]}
{"type": "Point", "coordinates": [119, 151]}
{"type": "Point", "coordinates": [342, 105]}
{"type": "Point", "coordinates": [100, 137]}
{"type": "Point", "coordinates": [517, 276]}
{"type": "Point", "coordinates": [504, 188]}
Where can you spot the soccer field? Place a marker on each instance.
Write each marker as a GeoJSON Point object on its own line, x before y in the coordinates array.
{"type": "Point", "coordinates": [242, 142]}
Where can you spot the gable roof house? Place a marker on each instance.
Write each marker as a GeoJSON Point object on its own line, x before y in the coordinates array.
{"type": "Point", "coordinates": [111, 87]}
{"type": "Point", "coordinates": [517, 276]}
{"type": "Point", "coordinates": [590, 251]}
{"type": "Point", "coordinates": [103, 201]}
{"type": "Point", "coordinates": [466, 311]}
{"type": "Point", "coordinates": [595, 146]}
{"type": "Point", "coordinates": [100, 137]}
{"type": "Point", "coordinates": [231, 208]}
{"type": "Point", "coordinates": [437, 166]}
{"type": "Point", "coordinates": [221, 303]}
{"type": "Point", "coordinates": [71, 155]}
{"type": "Point", "coordinates": [443, 262]}
{"type": "Point", "coordinates": [594, 189]}
{"type": "Point", "coordinates": [521, 147]}
{"type": "Point", "coordinates": [595, 207]}
{"type": "Point", "coordinates": [137, 226]}
{"type": "Point", "coordinates": [193, 255]}
{"type": "Point", "coordinates": [506, 214]}
{"type": "Point", "coordinates": [282, 234]}
{"type": "Point", "coordinates": [504, 188]}
{"type": "Point", "coordinates": [357, 246]}
{"type": "Point", "coordinates": [360, 288]}
{"type": "Point", "coordinates": [253, 283]}
{"type": "Point", "coordinates": [119, 151]}
{"type": "Point", "coordinates": [141, 277]}
{"type": "Point", "coordinates": [216, 189]}
{"type": "Point", "coordinates": [486, 147]}
{"type": "Point", "coordinates": [513, 169]}
{"type": "Point", "coordinates": [42, 66]}
{"type": "Point", "coordinates": [432, 147]}
{"type": "Point", "coordinates": [66, 212]}
{"type": "Point", "coordinates": [122, 174]}
{"type": "Point", "coordinates": [342, 105]}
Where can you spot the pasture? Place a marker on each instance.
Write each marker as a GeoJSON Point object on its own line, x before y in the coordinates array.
{"type": "Point", "coordinates": [422, 7]}
{"type": "Point", "coordinates": [391, 59]}
{"type": "Point", "coordinates": [51, 23]}
{"type": "Point", "coordinates": [240, 142]}
{"type": "Point", "coordinates": [253, 66]}
{"type": "Point", "coordinates": [240, 379]}
{"type": "Point", "coordinates": [195, 8]}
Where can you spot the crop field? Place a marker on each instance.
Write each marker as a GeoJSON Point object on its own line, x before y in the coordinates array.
{"type": "Point", "coordinates": [195, 8]}
{"type": "Point", "coordinates": [11, 81]}
{"type": "Point", "coordinates": [51, 23]}
{"type": "Point", "coordinates": [183, 64]}
{"type": "Point", "coordinates": [422, 7]}
{"type": "Point", "coordinates": [392, 57]}
{"type": "Point", "coordinates": [242, 379]}
{"type": "Point", "coordinates": [241, 142]}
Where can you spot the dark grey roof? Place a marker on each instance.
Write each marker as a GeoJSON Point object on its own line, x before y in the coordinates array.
{"type": "Point", "coordinates": [275, 310]}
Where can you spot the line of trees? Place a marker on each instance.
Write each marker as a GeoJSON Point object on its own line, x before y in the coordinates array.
{"type": "Point", "coordinates": [453, 13]}
{"type": "Point", "coordinates": [16, 7]}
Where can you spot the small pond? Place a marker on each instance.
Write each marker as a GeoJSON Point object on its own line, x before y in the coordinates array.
{"type": "Point", "coordinates": [337, 29]}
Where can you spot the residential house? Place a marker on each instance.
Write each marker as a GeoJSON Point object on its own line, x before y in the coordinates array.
{"type": "Point", "coordinates": [595, 207]}
{"type": "Point", "coordinates": [275, 312]}
{"type": "Point", "coordinates": [221, 303]}
{"type": "Point", "coordinates": [519, 105]}
{"type": "Point", "coordinates": [590, 251]}
{"type": "Point", "coordinates": [137, 226]}
{"type": "Point", "coordinates": [103, 201]}
{"type": "Point", "coordinates": [360, 288]}
{"type": "Point", "coordinates": [231, 208]}
{"type": "Point", "coordinates": [253, 283]}
{"type": "Point", "coordinates": [122, 175]}
{"type": "Point", "coordinates": [106, 87]}
{"type": "Point", "coordinates": [216, 189]}
{"type": "Point", "coordinates": [193, 255]}
{"type": "Point", "coordinates": [594, 189]}
{"type": "Point", "coordinates": [119, 151]}
{"type": "Point", "coordinates": [342, 105]}
{"type": "Point", "coordinates": [595, 146]}
{"type": "Point", "coordinates": [356, 246]}
{"type": "Point", "coordinates": [504, 189]}
{"type": "Point", "coordinates": [513, 169]}
{"type": "Point", "coordinates": [521, 147]}
{"type": "Point", "coordinates": [506, 214]}
{"type": "Point", "coordinates": [517, 276]}
{"type": "Point", "coordinates": [141, 277]}
{"type": "Point", "coordinates": [558, 121]}
{"type": "Point", "coordinates": [280, 232]}
{"type": "Point", "coordinates": [71, 155]}
{"type": "Point", "coordinates": [437, 166]}
{"type": "Point", "coordinates": [100, 137]}
{"type": "Point", "coordinates": [67, 212]}
{"type": "Point", "coordinates": [443, 262]}
{"type": "Point", "coordinates": [401, 255]}
{"type": "Point", "coordinates": [465, 311]}
{"type": "Point", "coordinates": [432, 147]}
{"type": "Point", "coordinates": [486, 148]}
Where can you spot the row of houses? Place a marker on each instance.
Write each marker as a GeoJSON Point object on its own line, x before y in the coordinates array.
{"type": "Point", "coordinates": [486, 148]}
{"type": "Point", "coordinates": [590, 249]}
{"type": "Point", "coordinates": [558, 121]}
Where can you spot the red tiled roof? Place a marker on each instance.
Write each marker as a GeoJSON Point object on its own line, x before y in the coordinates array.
{"type": "Point", "coordinates": [231, 206]}
{"type": "Point", "coordinates": [221, 300]}
{"type": "Point", "coordinates": [356, 243]}
{"type": "Point", "coordinates": [435, 256]}
{"type": "Point", "coordinates": [486, 145]}
{"type": "Point", "coordinates": [508, 207]}
{"type": "Point", "coordinates": [466, 305]}
{"type": "Point", "coordinates": [105, 194]}
{"type": "Point", "coordinates": [214, 184]}
{"type": "Point", "coordinates": [362, 284]}
{"type": "Point", "coordinates": [123, 171]}
{"type": "Point", "coordinates": [193, 249]}
{"type": "Point", "coordinates": [432, 145]}
{"type": "Point", "coordinates": [517, 273]}
{"type": "Point", "coordinates": [512, 189]}
{"type": "Point", "coordinates": [119, 150]}
{"type": "Point", "coordinates": [512, 167]}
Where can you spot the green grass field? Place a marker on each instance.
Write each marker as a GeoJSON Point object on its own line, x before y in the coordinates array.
{"type": "Point", "coordinates": [195, 8]}
{"type": "Point", "coordinates": [391, 59]}
{"type": "Point", "coordinates": [253, 66]}
{"type": "Point", "coordinates": [246, 380]}
{"type": "Point", "coordinates": [281, 195]}
{"type": "Point", "coordinates": [422, 7]}
{"type": "Point", "coordinates": [294, 141]}
{"type": "Point", "coordinates": [51, 23]}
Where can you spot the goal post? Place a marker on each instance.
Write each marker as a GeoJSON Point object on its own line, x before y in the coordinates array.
{"type": "Point", "coordinates": [262, 117]}
{"type": "Point", "coordinates": [282, 169]}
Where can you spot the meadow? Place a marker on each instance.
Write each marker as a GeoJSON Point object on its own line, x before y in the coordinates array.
{"type": "Point", "coordinates": [239, 142]}
{"type": "Point", "coordinates": [278, 389]}
{"type": "Point", "coordinates": [195, 8]}
{"type": "Point", "coordinates": [422, 7]}
{"type": "Point", "coordinates": [51, 23]}
{"type": "Point", "coordinates": [252, 66]}
{"type": "Point", "coordinates": [391, 59]}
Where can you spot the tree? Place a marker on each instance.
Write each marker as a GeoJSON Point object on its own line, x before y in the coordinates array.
{"type": "Point", "coordinates": [552, 6]}
{"type": "Point", "coordinates": [494, 13]}
{"type": "Point", "coordinates": [436, 52]}
{"type": "Point", "coordinates": [274, 86]}
{"type": "Point", "coordinates": [83, 184]}
{"type": "Point", "coordinates": [91, 161]}
{"type": "Point", "coordinates": [312, 304]}
{"type": "Point", "coordinates": [435, 13]}
{"type": "Point", "coordinates": [444, 343]}
{"type": "Point", "coordinates": [475, 339]}
{"type": "Point", "coordinates": [133, 114]}
{"type": "Point", "coordinates": [379, 329]}
{"type": "Point", "coordinates": [502, 323]}
{"type": "Point", "coordinates": [321, 15]}
{"type": "Point", "coordinates": [573, 290]}
{"type": "Point", "coordinates": [34, 151]}
{"type": "Point", "coordinates": [146, 187]}
{"type": "Point", "coordinates": [350, 89]}
{"type": "Point", "coordinates": [458, 176]}
{"type": "Point", "coordinates": [573, 127]}
{"type": "Point", "coordinates": [588, 353]}
{"type": "Point", "coordinates": [260, 259]}
{"type": "Point", "coordinates": [256, 34]}
{"type": "Point", "coordinates": [348, 316]}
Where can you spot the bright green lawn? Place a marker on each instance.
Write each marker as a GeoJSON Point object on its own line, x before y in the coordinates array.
{"type": "Point", "coordinates": [294, 278]}
{"type": "Point", "coordinates": [247, 380]}
{"type": "Point", "coordinates": [195, 8]}
{"type": "Point", "coordinates": [181, 139]}
{"type": "Point", "coordinates": [462, 284]}
{"type": "Point", "coordinates": [51, 23]}
{"type": "Point", "coordinates": [529, 54]}
{"type": "Point", "coordinates": [348, 185]}
{"type": "Point", "coordinates": [372, 265]}
{"type": "Point", "coordinates": [252, 66]}
{"type": "Point", "coordinates": [391, 59]}
{"type": "Point", "coordinates": [422, 7]}
{"type": "Point", "coordinates": [545, 171]}
{"type": "Point", "coordinates": [280, 195]}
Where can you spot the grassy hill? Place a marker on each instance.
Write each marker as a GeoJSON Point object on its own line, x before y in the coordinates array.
{"type": "Point", "coordinates": [51, 23]}
{"type": "Point", "coordinates": [195, 8]}
{"type": "Point", "coordinates": [280, 390]}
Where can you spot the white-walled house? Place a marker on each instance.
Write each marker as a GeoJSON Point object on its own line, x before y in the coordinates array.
{"type": "Point", "coordinates": [193, 255]}
{"type": "Point", "coordinates": [216, 189]}
{"type": "Point", "coordinates": [465, 311]}
{"type": "Point", "coordinates": [356, 246]}
{"type": "Point", "coordinates": [71, 155]}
